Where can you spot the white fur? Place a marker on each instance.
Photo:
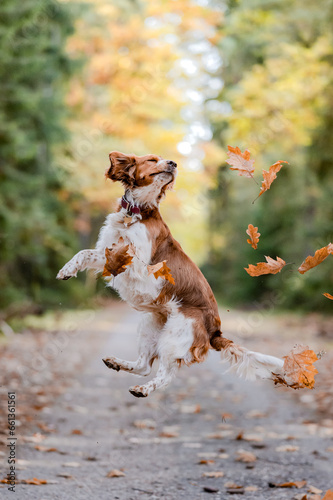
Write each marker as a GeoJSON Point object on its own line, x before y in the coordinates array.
{"type": "Point", "coordinates": [249, 364]}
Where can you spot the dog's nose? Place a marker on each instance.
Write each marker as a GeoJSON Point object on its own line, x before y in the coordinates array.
{"type": "Point", "coordinates": [172, 164]}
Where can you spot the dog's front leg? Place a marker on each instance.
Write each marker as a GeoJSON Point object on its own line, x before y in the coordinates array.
{"type": "Point", "coordinates": [142, 366]}
{"type": "Point", "coordinates": [86, 259]}
{"type": "Point", "coordinates": [164, 375]}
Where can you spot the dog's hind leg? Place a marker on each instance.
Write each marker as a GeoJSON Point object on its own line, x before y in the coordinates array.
{"type": "Point", "coordinates": [173, 346]}
{"type": "Point", "coordinates": [148, 332]}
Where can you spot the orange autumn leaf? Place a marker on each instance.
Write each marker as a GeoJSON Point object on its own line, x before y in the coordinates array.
{"type": "Point", "coordinates": [298, 369]}
{"type": "Point", "coordinates": [328, 495]}
{"type": "Point", "coordinates": [270, 267]}
{"type": "Point", "coordinates": [328, 295]}
{"type": "Point", "coordinates": [254, 236]}
{"type": "Point", "coordinates": [161, 270]}
{"type": "Point", "coordinates": [270, 176]}
{"type": "Point", "coordinates": [118, 258]}
{"type": "Point", "coordinates": [34, 481]}
{"type": "Point", "coordinates": [240, 161]}
{"type": "Point", "coordinates": [291, 484]}
{"type": "Point", "coordinates": [319, 256]}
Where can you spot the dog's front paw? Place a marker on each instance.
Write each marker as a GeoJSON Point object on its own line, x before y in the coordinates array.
{"type": "Point", "coordinates": [110, 363]}
{"type": "Point", "coordinates": [66, 273]}
{"type": "Point", "coordinates": [138, 391]}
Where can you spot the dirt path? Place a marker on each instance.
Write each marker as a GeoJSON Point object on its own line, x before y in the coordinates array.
{"type": "Point", "coordinates": [158, 442]}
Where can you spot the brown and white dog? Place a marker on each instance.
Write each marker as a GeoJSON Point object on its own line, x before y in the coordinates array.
{"type": "Point", "coordinates": [180, 322]}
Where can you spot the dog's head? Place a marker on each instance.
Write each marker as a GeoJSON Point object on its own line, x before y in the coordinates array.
{"type": "Point", "coordinates": [147, 177]}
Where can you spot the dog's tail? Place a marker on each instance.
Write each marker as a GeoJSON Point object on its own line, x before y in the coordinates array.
{"type": "Point", "coordinates": [244, 363]}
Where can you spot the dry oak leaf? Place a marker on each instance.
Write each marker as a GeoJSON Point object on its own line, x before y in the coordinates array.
{"type": "Point", "coordinates": [328, 495]}
{"type": "Point", "coordinates": [270, 175]}
{"type": "Point", "coordinates": [254, 236]}
{"type": "Point", "coordinates": [313, 489]}
{"type": "Point", "coordinates": [115, 473]}
{"type": "Point", "coordinates": [328, 295]}
{"type": "Point", "coordinates": [217, 473]}
{"type": "Point", "coordinates": [291, 484]}
{"type": "Point", "coordinates": [245, 456]}
{"type": "Point", "coordinates": [240, 161]}
{"type": "Point", "coordinates": [34, 480]}
{"type": "Point", "coordinates": [319, 256]}
{"type": "Point", "coordinates": [298, 367]}
{"type": "Point", "coordinates": [45, 448]}
{"type": "Point", "coordinates": [117, 258]}
{"type": "Point", "coordinates": [161, 270]}
{"type": "Point", "coordinates": [270, 267]}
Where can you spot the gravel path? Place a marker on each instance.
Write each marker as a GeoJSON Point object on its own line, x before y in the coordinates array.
{"type": "Point", "coordinates": [159, 442]}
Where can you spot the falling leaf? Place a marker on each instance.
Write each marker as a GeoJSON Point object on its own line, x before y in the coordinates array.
{"type": "Point", "coordinates": [270, 267]}
{"type": "Point", "coordinates": [270, 175]}
{"type": "Point", "coordinates": [328, 295]}
{"type": "Point", "coordinates": [115, 473]}
{"type": "Point", "coordinates": [240, 161]}
{"type": "Point", "coordinates": [217, 473]}
{"type": "Point", "coordinates": [290, 484]}
{"type": "Point", "coordinates": [245, 456]}
{"type": "Point", "coordinates": [287, 447]}
{"type": "Point", "coordinates": [254, 236]}
{"type": "Point", "coordinates": [34, 481]}
{"type": "Point", "coordinates": [117, 258]}
{"type": "Point", "coordinates": [161, 270]}
{"type": "Point", "coordinates": [76, 431]}
{"type": "Point", "coordinates": [319, 256]}
{"type": "Point", "coordinates": [298, 369]}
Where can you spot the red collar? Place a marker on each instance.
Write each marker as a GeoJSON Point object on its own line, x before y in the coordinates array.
{"type": "Point", "coordinates": [131, 209]}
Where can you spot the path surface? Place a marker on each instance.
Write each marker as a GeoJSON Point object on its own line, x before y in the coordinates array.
{"type": "Point", "coordinates": [158, 442]}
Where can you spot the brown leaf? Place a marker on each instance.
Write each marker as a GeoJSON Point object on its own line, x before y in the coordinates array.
{"type": "Point", "coordinates": [115, 473]}
{"type": "Point", "coordinates": [206, 462]}
{"type": "Point", "coordinates": [76, 431]}
{"type": "Point", "coordinates": [45, 448]}
{"type": "Point", "coordinates": [254, 236]}
{"type": "Point", "coordinates": [270, 175]}
{"type": "Point", "coordinates": [169, 434]}
{"type": "Point", "coordinates": [240, 161]}
{"type": "Point", "coordinates": [328, 295]}
{"type": "Point", "coordinates": [291, 484]}
{"type": "Point", "coordinates": [298, 369]}
{"type": "Point", "coordinates": [270, 267]}
{"type": "Point", "coordinates": [161, 270]}
{"type": "Point", "coordinates": [328, 495]}
{"type": "Point", "coordinates": [313, 489]}
{"type": "Point", "coordinates": [319, 256]}
{"type": "Point", "coordinates": [118, 258]}
{"type": "Point", "coordinates": [217, 473]}
{"type": "Point", "coordinates": [230, 484]}
{"type": "Point", "coordinates": [287, 447]}
{"type": "Point", "coordinates": [245, 456]}
{"type": "Point", "coordinates": [35, 481]}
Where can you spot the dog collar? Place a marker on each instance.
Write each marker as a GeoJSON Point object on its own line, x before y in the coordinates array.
{"type": "Point", "coordinates": [131, 209]}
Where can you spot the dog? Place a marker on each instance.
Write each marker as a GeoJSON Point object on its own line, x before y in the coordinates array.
{"type": "Point", "coordinates": [180, 322]}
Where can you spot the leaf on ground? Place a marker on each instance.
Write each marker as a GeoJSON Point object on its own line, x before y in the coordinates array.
{"type": "Point", "coordinates": [116, 473]}
{"type": "Point", "coordinates": [313, 489]}
{"type": "Point", "coordinates": [298, 369]}
{"type": "Point", "coordinates": [169, 434]}
{"type": "Point", "coordinates": [146, 423]}
{"type": "Point", "coordinates": [287, 447]}
{"type": "Point", "coordinates": [302, 496]}
{"type": "Point", "coordinates": [230, 484]}
{"type": "Point", "coordinates": [206, 462]}
{"type": "Point", "coordinates": [209, 489]}
{"type": "Point", "coordinates": [245, 456]}
{"type": "Point", "coordinates": [313, 261]}
{"type": "Point", "coordinates": [45, 448]}
{"type": "Point", "coordinates": [161, 270]}
{"type": "Point", "coordinates": [270, 267]}
{"type": "Point", "coordinates": [328, 495]}
{"type": "Point", "coordinates": [217, 473]}
{"type": "Point", "coordinates": [118, 258]}
{"type": "Point", "coordinates": [240, 161]}
{"type": "Point", "coordinates": [71, 464]}
{"type": "Point", "coordinates": [35, 481]}
{"type": "Point", "coordinates": [251, 488]}
{"type": "Point", "coordinates": [254, 236]}
{"type": "Point", "coordinates": [76, 431]}
{"type": "Point", "coordinates": [328, 295]}
{"type": "Point", "coordinates": [270, 175]}
{"type": "Point", "coordinates": [291, 484]}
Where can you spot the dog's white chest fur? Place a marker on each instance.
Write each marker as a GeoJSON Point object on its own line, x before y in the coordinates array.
{"type": "Point", "coordinates": [134, 285]}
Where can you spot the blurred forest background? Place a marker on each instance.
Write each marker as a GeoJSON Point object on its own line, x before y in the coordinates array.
{"type": "Point", "coordinates": [182, 79]}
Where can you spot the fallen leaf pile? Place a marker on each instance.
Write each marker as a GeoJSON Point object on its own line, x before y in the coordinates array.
{"type": "Point", "coordinates": [298, 369]}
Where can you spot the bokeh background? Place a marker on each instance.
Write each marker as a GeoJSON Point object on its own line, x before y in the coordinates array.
{"type": "Point", "coordinates": [182, 79]}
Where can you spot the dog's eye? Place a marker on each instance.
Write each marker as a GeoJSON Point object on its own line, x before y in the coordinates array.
{"type": "Point", "coordinates": [155, 161]}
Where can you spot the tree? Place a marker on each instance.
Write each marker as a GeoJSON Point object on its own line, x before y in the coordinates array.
{"type": "Point", "coordinates": [36, 218]}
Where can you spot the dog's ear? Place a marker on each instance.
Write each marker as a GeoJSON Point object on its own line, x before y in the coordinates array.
{"type": "Point", "coordinates": [122, 168]}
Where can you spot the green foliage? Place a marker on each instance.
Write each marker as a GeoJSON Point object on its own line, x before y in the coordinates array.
{"type": "Point", "coordinates": [279, 82]}
{"type": "Point", "coordinates": [35, 212]}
